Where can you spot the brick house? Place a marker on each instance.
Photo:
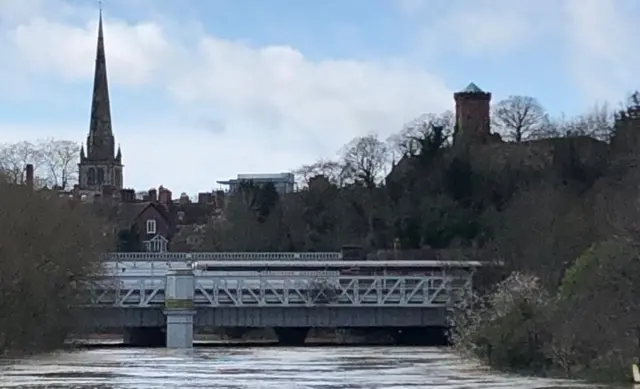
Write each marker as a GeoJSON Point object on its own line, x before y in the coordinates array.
{"type": "Point", "coordinates": [143, 227]}
{"type": "Point", "coordinates": [137, 225]}
{"type": "Point", "coordinates": [191, 218]}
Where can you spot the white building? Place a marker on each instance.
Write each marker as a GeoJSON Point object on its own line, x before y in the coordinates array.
{"type": "Point", "coordinates": [283, 182]}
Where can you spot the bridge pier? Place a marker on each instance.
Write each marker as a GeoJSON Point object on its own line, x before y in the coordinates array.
{"type": "Point", "coordinates": [144, 337]}
{"type": "Point", "coordinates": [291, 336]}
{"type": "Point", "coordinates": [419, 336]}
{"type": "Point", "coordinates": [178, 308]}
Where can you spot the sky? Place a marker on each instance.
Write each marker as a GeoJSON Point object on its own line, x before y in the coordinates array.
{"type": "Point", "coordinates": [204, 90]}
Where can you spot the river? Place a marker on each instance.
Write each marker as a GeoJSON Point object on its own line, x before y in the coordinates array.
{"type": "Point", "coordinates": [259, 368]}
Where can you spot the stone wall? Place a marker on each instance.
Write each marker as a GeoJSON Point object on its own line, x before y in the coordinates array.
{"type": "Point", "coordinates": [537, 155]}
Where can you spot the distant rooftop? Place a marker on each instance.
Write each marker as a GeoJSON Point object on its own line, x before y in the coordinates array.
{"type": "Point", "coordinates": [472, 88]}
{"type": "Point", "coordinates": [261, 178]}
{"type": "Point", "coordinates": [272, 176]}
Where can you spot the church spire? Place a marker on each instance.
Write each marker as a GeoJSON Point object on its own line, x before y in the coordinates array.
{"type": "Point", "coordinates": [100, 142]}
{"type": "Point", "coordinates": [101, 166]}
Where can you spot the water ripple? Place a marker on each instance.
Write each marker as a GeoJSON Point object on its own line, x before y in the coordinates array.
{"type": "Point", "coordinates": [260, 368]}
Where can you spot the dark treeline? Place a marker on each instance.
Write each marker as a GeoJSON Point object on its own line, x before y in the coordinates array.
{"type": "Point", "coordinates": [412, 191]}
{"type": "Point", "coordinates": [48, 250]}
{"type": "Point", "coordinates": [556, 202]}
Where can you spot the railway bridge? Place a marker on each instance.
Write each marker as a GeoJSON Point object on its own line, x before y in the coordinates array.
{"type": "Point", "coordinates": [159, 298]}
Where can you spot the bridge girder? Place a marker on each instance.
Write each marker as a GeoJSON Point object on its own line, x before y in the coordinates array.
{"type": "Point", "coordinates": [139, 291]}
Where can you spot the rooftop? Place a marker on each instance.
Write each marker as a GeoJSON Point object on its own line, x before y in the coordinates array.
{"type": "Point", "coordinates": [472, 88]}
{"type": "Point", "coordinates": [271, 176]}
{"type": "Point", "coordinates": [277, 177]}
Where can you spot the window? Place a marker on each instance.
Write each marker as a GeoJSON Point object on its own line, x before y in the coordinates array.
{"type": "Point", "coordinates": [100, 176]}
{"type": "Point", "coordinates": [156, 245]}
{"type": "Point", "coordinates": [151, 226]}
{"type": "Point", "coordinates": [91, 176]}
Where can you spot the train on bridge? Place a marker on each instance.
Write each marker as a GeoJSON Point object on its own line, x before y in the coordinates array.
{"type": "Point", "coordinates": [280, 264]}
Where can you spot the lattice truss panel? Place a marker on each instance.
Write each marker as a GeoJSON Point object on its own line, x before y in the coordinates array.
{"type": "Point", "coordinates": [129, 291]}
{"type": "Point", "coordinates": [431, 291]}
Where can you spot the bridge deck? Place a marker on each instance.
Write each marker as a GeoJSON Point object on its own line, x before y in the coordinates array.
{"type": "Point", "coordinates": [340, 264]}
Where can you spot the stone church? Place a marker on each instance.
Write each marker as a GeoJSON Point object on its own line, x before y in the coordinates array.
{"type": "Point", "coordinates": [100, 165]}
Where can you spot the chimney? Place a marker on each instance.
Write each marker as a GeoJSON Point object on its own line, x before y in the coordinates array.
{"type": "Point", "coordinates": [76, 192]}
{"type": "Point", "coordinates": [153, 195]}
{"type": "Point", "coordinates": [29, 180]}
{"type": "Point", "coordinates": [164, 196]}
{"type": "Point", "coordinates": [205, 198]}
{"type": "Point", "coordinates": [108, 191]}
{"type": "Point", "coordinates": [220, 199]}
{"type": "Point", "coordinates": [184, 198]}
{"type": "Point", "coordinates": [128, 195]}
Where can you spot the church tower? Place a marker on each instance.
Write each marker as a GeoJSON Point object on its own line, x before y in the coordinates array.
{"type": "Point", "coordinates": [101, 165]}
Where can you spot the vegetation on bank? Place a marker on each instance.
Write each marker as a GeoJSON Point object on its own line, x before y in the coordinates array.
{"type": "Point", "coordinates": [587, 328]}
{"type": "Point", "coordinates": [48, 249]}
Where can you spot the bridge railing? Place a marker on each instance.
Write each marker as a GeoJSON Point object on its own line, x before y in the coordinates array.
{"type": "Point", "coordinates": [221, 256]}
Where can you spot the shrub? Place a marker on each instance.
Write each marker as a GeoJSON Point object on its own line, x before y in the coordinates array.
{"type": "Point", "coordinates": [595, 326]}
{"type": "Point", "coordinates": [505, 327]}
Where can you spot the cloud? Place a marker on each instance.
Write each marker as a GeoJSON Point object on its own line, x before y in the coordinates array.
{"type": "Point", "coordinates": [593, 39]}
{"type": "Point", "coordinates": [279, 85]}
{"type": "Point", "coordinates": [601, 46]}
{"type": "Point", "coordinates": [482, 27]}
{"type": "Point", "coordinates": [55, 49]}
{"type": "Point", "coordinates": [272, 107]}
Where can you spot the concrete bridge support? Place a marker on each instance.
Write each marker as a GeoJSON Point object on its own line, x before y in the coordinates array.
{"type": "Point", "coordinates": [419, 336]}
{"type": "Point", "coordinates": [179, 311]}
{"type": "Point", "coordinates": [144, 337]}
{"type": "Point", "coordinates": [291, 336]}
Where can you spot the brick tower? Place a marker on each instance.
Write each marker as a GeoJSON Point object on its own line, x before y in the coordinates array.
{"type": "Point", "coordinates": [472, 116]}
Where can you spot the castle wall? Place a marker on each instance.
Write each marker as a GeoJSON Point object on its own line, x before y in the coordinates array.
{"type": "Point", "coordinates": [537, 155]}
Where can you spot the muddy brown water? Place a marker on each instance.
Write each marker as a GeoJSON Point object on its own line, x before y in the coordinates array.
{"type": "Point", "coordinates": [261, 368]}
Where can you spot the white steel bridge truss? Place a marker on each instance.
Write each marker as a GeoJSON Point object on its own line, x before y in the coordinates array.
{"type": "Point", "coordinates": [287, 291]}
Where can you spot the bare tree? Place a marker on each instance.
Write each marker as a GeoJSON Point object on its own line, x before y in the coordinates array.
{"type": "Point", "coordinates": [54, 161]}
{"type": "Point", "coordinates": [59, 160]}
{"type": "Point", "coordinates": [366, 157]}
{"type": "Point", "coordinates": [14, 158]}
{"type": "Point", "coordinates": [597, 123]}
{"type": "Point", "coordinates": [633, 101]}
{"type": "Point", "coordinates": [519, 117]}
{"type": "Point", "coordinates": [411, 139]}
{"type": "Point", "coordinates": [333, 171]}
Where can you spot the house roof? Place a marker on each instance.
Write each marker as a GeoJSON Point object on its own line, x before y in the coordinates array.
{"type": "Point", "coordinates": [123, 215]}
{"type": "Point", "coordinates": [192, 213]}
